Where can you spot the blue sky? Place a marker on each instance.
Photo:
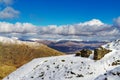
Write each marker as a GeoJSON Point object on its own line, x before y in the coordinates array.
{"type": "Point", "coordinates": [59, 12]}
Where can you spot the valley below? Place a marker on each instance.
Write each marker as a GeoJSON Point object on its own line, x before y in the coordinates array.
{"type": "Point", "coordinates": [72, 46]}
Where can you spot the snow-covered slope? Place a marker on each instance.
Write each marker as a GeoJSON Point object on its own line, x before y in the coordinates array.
{"type": "Point", "coordinates": [113, 45]}
{"type": "Point", "coordinates": [110, 75]}
{"type": "Point", "coordinates": [69, 67]}
{"type": "Point", "coordinates": [5, 40]}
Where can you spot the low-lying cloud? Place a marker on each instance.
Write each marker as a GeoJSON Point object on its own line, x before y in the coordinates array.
{"type": "Point", "coordinates": [89, 30]}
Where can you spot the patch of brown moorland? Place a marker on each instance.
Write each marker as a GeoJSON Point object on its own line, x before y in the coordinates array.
{"type": "Point", "coordinates": [12, 56]}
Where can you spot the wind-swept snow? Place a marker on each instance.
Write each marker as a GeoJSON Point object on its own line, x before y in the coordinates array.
{"type": "Point", "coordinates": [113, 74]}
{"type": "Point", "coordinates": [113, 45]}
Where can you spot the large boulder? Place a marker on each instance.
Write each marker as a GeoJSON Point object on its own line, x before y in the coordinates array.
{"type": "Point", "coordinates": [78, 54]}
{"type": "Point", "coordinates": [84, 53]}
{"type": "Point", "coordinates": [100, 52]}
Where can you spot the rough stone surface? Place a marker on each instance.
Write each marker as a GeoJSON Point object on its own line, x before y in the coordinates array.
{"type": "Point", "coordinates": [100, 52]}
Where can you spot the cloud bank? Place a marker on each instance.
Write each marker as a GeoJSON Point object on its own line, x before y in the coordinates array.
{"type": "Point", "coordinates": [89, 30]}
{"type": "Point", "coordinates": [92, 27]}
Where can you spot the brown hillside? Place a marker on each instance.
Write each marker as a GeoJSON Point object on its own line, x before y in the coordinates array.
{"type": "Point", "coordinates": [13, 56]}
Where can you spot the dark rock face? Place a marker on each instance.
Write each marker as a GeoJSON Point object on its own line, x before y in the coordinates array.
{"type": "Point", "coordinates": [78, 54]}
{"type": "Point", "coordinates": [117, 62]}
{"type": "Point", "coordinates": [84, 53]}
{"type": "Point", "coordinates": [100, 52]}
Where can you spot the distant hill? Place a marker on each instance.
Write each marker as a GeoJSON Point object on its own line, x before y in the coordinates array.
{"type": "Point", "coordinates": [15, 53]}
{"type": "Point", "coordinates": [69, 46]}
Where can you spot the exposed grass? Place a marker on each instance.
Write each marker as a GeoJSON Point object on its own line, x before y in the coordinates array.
{"type": "Point", "coordinates": [13, 56]}
{"type": "Point", "coordinates": [5, 70]}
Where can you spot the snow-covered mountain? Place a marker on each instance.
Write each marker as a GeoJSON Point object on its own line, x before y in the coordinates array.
{"type": "Point", "coordinates": [6, 40]}
{"type": "Point", "coordinates": [71, 67]}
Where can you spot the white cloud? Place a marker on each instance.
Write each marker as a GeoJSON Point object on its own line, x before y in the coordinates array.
{"type": "Point", "coordinates": [9, 13]}
{"type": "Point", "coordinates": [17, 28]}
{"type": "Point", "coordinates": [89, 30]}
{"type": "Point", "coordinates": [117, 22]}
{"type": "Point", "coordinates": [86, 28]}
{"type": "Point", "coordinates": [112, 32]}
{"type": "Point", "coordinates": [93, 22]}
{"type": "Point", "coordinates": [6, 2]}
{"type": "Point", "coordinates": [6, 11]}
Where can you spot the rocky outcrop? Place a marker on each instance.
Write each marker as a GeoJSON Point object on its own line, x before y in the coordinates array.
{"type": "Point", "coordinates": [84, 53]}
{"type": "Point", "coordinates": [100, 52]}
{"type": "Point", "coordinates": [78, 54]}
